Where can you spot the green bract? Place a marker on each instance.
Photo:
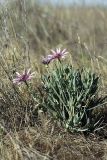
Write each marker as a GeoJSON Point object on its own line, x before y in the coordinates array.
{"type": "Point", "coordinates": [71, 97]}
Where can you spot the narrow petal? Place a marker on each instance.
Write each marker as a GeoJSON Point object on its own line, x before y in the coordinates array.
{"type": "Point", "coordinates": [64, 51]}
{"type": "Point", "coordinates": [29, 78]}
{"type": "Point", "coordinates": [58, 50]}
{"type": "Point", "coordinates": [18, 74]}
{"type": "Point", "coordinates": [53, 51]}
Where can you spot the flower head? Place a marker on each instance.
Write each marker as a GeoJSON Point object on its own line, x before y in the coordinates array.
{"type": "Point", "coordinates": [25, 76]}
{"type": "Point", "coordinates": [47, 59]}
{"type": "Point", "coordinates": [58, 54]}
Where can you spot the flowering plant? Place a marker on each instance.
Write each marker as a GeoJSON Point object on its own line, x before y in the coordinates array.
{"type": "Point", "coordinates": [71, 97]}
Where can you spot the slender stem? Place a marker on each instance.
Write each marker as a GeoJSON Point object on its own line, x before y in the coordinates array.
{"type": "Point", "coordinates": [26, 84]}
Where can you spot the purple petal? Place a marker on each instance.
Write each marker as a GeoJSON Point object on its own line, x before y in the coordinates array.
{"type": "Point", "coordinates": [64, 51]}
{"type": "Point", "coordinates": [58, 50]}
{"type": "Point", "coordinates": [18, 74]}
{"type": "Point", "coordinates": [54, 52]}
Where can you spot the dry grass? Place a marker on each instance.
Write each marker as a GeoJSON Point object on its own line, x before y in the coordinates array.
{"type": "Point", "coordinates": [27, 32]}
{"type": "Point", "coordinates": [48, 141]}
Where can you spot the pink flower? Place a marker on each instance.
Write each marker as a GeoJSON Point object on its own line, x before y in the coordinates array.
{"type": "Point", "coordinates": [58, 54]}
{"type": "Point", "coordinates": [25, 76]}
{"type": "Point", "coordinates": [47, 59]}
